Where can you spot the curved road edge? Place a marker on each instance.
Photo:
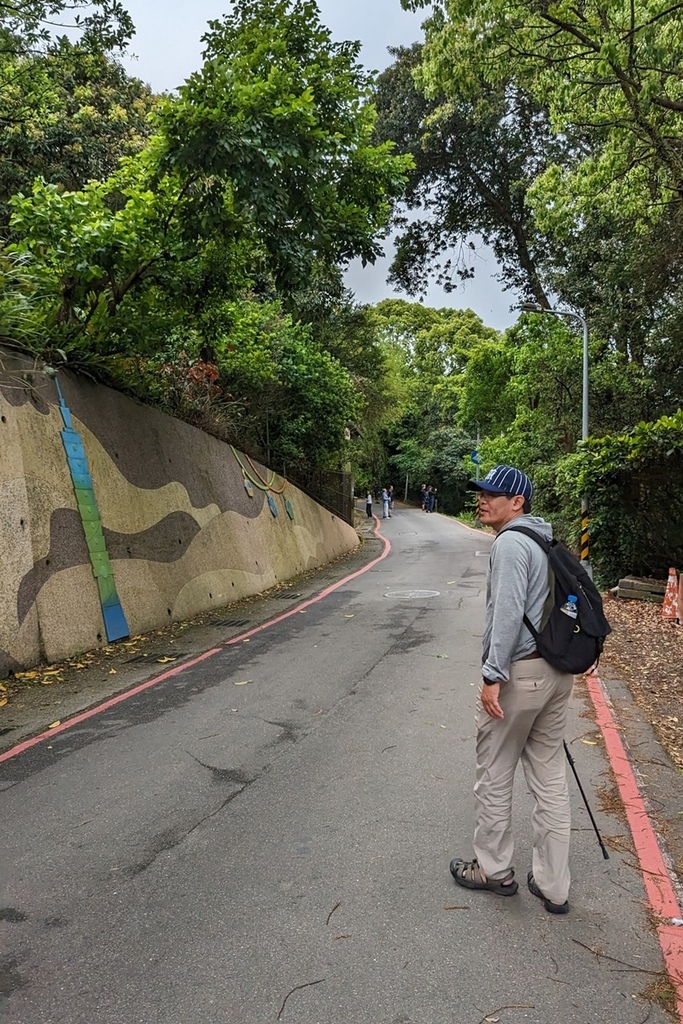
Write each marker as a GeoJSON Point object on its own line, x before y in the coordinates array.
{"type": "Point", "coordinates": [44, 726]}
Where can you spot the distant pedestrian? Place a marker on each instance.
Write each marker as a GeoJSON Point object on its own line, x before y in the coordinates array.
{"type": "Point", "coordinates": [368, 504]}
{"type": "Point", "coordinates": [390, 492]}
{"type": "Point", "coordinates": [385, 504]}
{"type": "Point", "coordinates": [423, 496]}
{"type": "Point", "coordinates": [432, 499]}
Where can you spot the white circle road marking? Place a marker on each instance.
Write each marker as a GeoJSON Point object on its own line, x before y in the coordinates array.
{"type": "Point", "coordinates": [412, 593]}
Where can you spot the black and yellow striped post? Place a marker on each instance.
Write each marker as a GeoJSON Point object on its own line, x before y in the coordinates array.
{"type": "Point", "coordinates": [585, 536]}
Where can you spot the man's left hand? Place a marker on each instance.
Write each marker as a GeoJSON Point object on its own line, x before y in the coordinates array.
{"type": "Point", "coordinates": [489, 699]}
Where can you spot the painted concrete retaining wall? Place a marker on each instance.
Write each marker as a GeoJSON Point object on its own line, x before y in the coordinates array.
{"type": "Point", "coordinates": [170, 532]}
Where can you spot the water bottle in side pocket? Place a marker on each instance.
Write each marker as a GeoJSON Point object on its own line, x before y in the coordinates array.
{"type": "Point", "coordinates": [570, 606]}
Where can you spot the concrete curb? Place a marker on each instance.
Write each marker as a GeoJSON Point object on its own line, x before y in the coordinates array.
{"type": "Point", "coordinates": [657, 879]}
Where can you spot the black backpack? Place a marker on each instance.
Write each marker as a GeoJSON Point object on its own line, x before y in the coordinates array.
{"type": "Point", "coordinates": [571, 645]}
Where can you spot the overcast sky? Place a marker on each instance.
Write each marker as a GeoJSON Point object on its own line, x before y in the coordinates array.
{"type": "Point", "coordinates": [168, 47]}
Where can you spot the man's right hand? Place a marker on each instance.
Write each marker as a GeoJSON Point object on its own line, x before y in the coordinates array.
{"type": "Point", "coordinates": [490, 693]}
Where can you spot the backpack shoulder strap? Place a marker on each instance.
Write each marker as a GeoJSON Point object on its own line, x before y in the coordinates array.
{"type": "Point", "coordinates": [547, 545]}
{"type": "Point", "coordinates": [541, 541]}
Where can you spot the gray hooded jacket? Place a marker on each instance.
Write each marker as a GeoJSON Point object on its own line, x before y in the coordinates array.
{"type": "Point", "coordinates": [516, 585]}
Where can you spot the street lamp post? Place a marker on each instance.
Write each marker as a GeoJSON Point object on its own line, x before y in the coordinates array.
{"type": "Point", "coordinates": [536, 307]}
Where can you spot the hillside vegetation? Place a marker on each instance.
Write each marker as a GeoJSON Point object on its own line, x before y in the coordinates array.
{"type": "Point", "coordinates": [190, 248]}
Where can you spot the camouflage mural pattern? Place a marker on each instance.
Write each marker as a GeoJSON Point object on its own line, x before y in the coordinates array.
{"type": "Point", "coordinates": [180, 532]}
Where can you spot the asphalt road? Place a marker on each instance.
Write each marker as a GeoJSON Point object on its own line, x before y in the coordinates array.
{"type": "Point", "coordinates": [213, 853]}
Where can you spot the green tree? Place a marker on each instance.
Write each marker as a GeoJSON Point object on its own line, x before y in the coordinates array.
{"type": "Point", "coordinates": [627, 282]}
{"type": "Point", "coordinates": [610, 69]}
{"type": "Point", "coordinates": [75, 114]}
{"type": "Point", "coordinates": [438, 343]}
{"type": "Point", "coordinates": [279, 116]}
{"type": "Point", "coordinates": [266, 157]}
{"type": "Point", "coordinates": [68, 110]}
{"type": "Point", "coordinates": [427, 443]}
{"type": "Point", "coordinates": [476, 156]}
{"type": "Point", "coordinates": [27, 27]}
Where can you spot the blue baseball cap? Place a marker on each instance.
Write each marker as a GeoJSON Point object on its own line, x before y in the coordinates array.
{"type": "Point", "coordinates": [504, 480]}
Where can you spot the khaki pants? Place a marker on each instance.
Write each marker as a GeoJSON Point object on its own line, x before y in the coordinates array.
{"type": "Point", "coordinates": [534, 702]}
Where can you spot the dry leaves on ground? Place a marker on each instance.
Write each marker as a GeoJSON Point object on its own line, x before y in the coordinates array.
{"type": "Point", "coordinates": [646, 651]}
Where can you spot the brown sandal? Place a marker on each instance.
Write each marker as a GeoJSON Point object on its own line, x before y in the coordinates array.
{"type": "Point", "coordinates": [468, 874]}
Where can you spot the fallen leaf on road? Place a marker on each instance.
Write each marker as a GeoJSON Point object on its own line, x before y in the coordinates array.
{"type": "Point", "coordinates": [442, 655]}
{"type": "Point", "coordinates": [449, 583]}
{"type": "Point", "coordinates": [589, 743]}
{"type": "Point", "coordinates": [243, 682]}
{"type": "Point", "coordinates": [3, 701]}
{"type": "Point", "coordinates": [52, 672]}
{"type": "Point", "coordinates": [26, 675]}
{"type": "Point", "coordinates": [53, 725]}
{"type": "Point", "coordinates": [2, 687]}
{"type": "Point", "coordinates": [46, 682]}
{"type": "Point", "coordinates": [349, 616]}
{"type": "Point", "coordinates": [456, 906]}
{"type": "Point", "coordinates": [164, 661]}
{"type": "Point", "coordinates": [442, 726]}
{"type": "Point", "coordinates": [112, 671]}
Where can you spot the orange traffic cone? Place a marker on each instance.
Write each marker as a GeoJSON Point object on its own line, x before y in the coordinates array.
{"type": "Point", "coordinates": [670, 606]}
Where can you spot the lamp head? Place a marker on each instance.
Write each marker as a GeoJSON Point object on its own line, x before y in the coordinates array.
{"type": "Point", "coordinates": [531, 307]}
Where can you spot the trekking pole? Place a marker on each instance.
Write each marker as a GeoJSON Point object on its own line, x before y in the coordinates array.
{"type": "Point", "coordinates": [590, 813]}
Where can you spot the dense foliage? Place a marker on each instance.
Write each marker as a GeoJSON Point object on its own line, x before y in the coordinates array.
{"type": "Point", "coordinates": [190, 248]}
{"type": "Point", "coordinates": [192, 254]}
{"type": "Point", "coordinates": [635, 480]}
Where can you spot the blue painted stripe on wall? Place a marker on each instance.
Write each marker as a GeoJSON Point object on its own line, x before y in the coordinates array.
{"type": "Point", "coordinates": [115, 624]}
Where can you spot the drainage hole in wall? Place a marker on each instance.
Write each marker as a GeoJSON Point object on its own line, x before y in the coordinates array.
{"type": "Point", "coordinates": [21, 522]}
{"type": "Point", "coordinates": [210, 597]}
{"type": "Point", "coordinates": [180, 540]}
{"type": "Point", "coordinates": [47, 561]}
{"type": "Point", "coordinates": [129, 551]}
{"type": "Point", "coordinates": [99, 636]}
{"type": "Point", "coordinates": [168, 610]}
{"type": "Point", "coordinates": [3, 419]}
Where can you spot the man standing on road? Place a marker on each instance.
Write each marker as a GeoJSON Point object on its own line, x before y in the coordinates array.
{"type": "Point", "coordinates": [522, 708]}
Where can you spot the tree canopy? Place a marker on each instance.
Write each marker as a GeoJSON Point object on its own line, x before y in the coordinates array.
{"type": "Point", "coordinates": [609, 69]}
{"type": "Point", "coordinates": [278, 116]}
{"type": "Point", "coordinates": [190, 248]}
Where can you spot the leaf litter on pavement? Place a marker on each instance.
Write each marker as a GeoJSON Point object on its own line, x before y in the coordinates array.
{"type": "Point", "coordinates": [646, 652]}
